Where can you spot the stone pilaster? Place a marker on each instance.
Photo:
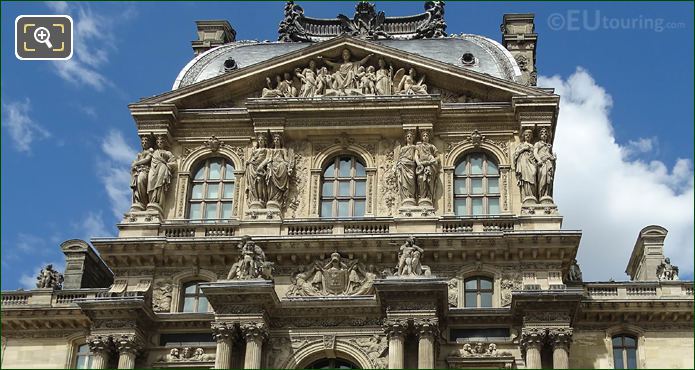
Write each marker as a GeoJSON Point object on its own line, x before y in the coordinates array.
{"type": "Point", "coordinates": [532, 340]}
{"type": "Point", "coordinates": [427, 331]}
{"type": "Point", "coordinates": [128, 346]}
{"type": "Point", "coordinates": [102, 347]}
{"type": "Point", "coordinates": [224, 334]}
{"type": "Point", "coordinates": [255, 334]}
{"type": "Point", "coordinates": [395, 330]}
{"type": "Point", "coordinates": [560, 339]}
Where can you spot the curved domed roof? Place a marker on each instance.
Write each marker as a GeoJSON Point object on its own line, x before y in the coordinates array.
{"type": "Point", "coordinates": [485, 56]}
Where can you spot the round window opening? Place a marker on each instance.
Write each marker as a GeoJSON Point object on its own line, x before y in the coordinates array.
{"type": "Point", "coordinates": [468, 59]}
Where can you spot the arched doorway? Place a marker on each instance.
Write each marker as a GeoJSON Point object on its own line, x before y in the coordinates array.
{"type": "Point", "coordinates": [332, 363]}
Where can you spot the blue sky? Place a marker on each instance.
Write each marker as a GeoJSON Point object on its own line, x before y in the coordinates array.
{"type": "Point", "coordinates": [67, 134]}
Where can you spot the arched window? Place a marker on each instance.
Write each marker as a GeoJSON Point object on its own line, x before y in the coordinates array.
{"type": "Point", "coordinates": [212, 190]}
{"type": "Point", "coordinates": [83, 357]}
{"type": "Point", "coordinates": [332, 363]}
{"type": "Point", "coordinates": [476, 186]}
{"type": "Point", "coordinates": [625, 352]}
{"type": "Point", "coordinates": [192, 299]}
{"type": "Point", "coordinates": [344, 188]}
{"type": "Point", "coordinates": [477, 292]}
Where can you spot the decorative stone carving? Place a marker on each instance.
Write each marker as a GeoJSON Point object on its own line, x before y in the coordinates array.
{"type": "Point", "coordinates": [161, 172]}
{"type": "Point", "coordinates": [299, 189]}
{"type": "Point", "coordinates": [434, 25]}
{"type": "Point", "coordinates": [345, 79]}
{"type": "Point", "coordinates": [128, 343]}
{"type": "Point", "coordinates": [388, 184]}
{"type": "Point", "coordinates": [409, 255]}
{"type": "Point", "coordinates": [453, 292]}
{"type": "Point", "coordinates": [560, 337]}
{"type": "Point", "coordinates": [268, 174]}
{"type": "Point", "coordinates": [256, 173]}
{"type": "Point", "coordinates": [366, 23]}
{"type": "Point", "coordinates": [543, 154]}
{"type": "Point", "coordinates": [161, 296]}
{"type": "Point", "coordinates": [383, 83]}
{"type": "Point", "coordinates": [279, 349]}
{"type": "Point", "coordinates": [49, 278]}
{"type": "Point", "coordinates": [213, 143]}
{"type": "Point", "coordinates": [476, 138]}
{"type": "Point", "coordinates": [186, 355]}
{"type": "Point", "coordinates": [254, 330]}
{"type": "Point", "coordinates": [375, 347]}
{"type": "Point", "coordinates": [426, 170]}
{"type": "Point", "coordinates": [667, 271]}
{"type": "Point", "coordinates": [252, 264]}
{"type": "Point", "coordinates": [426, 327]}
{"type": "Point", "coordinates": [574, 274]}
{"type": "Point", "coordinates": [395, 327]}
{"type": "Point", "coordinates": [139, 172]}
{"type": "Point", "coordinates": [525, 168]}
{"type": "Point", "coordinates": [510, 281]}
{"type": "Point", "coordinates": [532, 337]}
{"type": "Point", "coordinates": [479, 350]}
{"type": "Point", "coordinates": [335, 276]}
{"type": "Point", "coordinates": [410, 84]}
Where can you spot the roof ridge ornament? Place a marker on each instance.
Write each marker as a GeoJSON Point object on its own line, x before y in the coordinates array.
{"type": "Point", "coordinates": [366, 23]}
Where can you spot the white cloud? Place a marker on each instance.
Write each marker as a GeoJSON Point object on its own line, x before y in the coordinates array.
{"type": "Point", "coordinates": [608, 195]}
{"type": "Point", "coordinates": [22, 128]}
{"type": "Point", "coordinates": [641, 146]}
{"type": "Point", "coordinates": [29, 243]}
{"type": "Point", "coordinates": [92, 225]}
{"type": "Point", "coordinates": [115, 171]}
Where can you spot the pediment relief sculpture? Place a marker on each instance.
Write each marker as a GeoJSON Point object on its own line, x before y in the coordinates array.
{"type": "Point", "coordinates": [334, 276]}
{"type": "Point", "coordinates": [345, 77]}
{"type": "Point", "coordinates": [252, 263]}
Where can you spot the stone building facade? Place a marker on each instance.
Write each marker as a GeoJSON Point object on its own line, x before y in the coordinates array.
{"type": "Point", "coordinates": [367, 192]}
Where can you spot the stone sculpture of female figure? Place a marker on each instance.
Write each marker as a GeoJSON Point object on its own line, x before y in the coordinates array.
{"type": "Point", "coordinates": [344, 76]}
{"type": "Point", "coordinates": [409, 85]}
{"type": "Point", "coordinates": [309, 80]}
{"type": "Point", "coordinates": [161, 170]}
{"type": "Point", "coordinates": [525, 167]}
{"type": "Point", "coordinates": [405, 169]}
{"type": "Point", "coordinates": [384, 79]}
{"type": "Point", "coordinates": [543, 153]}
{"type": "Point", "coordinates": [279, 172]}
{"type": "Point", "coordinates": [426, 170]}
{"type": "Point", "coordinates": [256, 185]}
{"type": "Point", "coordinates": [139, 171]}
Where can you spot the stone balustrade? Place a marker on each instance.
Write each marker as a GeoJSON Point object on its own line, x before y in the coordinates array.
{"type": "Point", "coordinates": [637, 290]}
{"type": "Point", "coordinates": [47, 297]}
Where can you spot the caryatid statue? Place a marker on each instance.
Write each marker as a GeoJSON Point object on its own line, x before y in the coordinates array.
{"type": "Point", "coordinates": [279, 170]}
{"type": "Point", "coordinates": [543, 153]}
{"type": "Point", "coordinates": [405, 170]}
{"type": "Point", "coordinates": [161, 172]}
{"type": "Point", "coordinates": [256, 173]}
{"type": "Point", "coordinates": [426, 169]}
{"type": "Point", "coordinates": [139, 172]}
{"type": "Point", "coordinates": [525, 167]}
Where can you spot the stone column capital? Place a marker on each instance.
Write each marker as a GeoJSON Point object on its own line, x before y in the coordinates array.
{"type": "Point", "coordinates": [560, 337]}
{"type": "Point", "coordinates": [100, 343]}
{"type": "Point", "coordinates": [426, 327]}
{"type": "Point", "coordinates": [254, 331]}
{"type": "Point", "coordinates": [223, 331]}
{"type": "Point", "coordinates": [131, 343]}
{"type": "Point", "coordinates": [533, 337]}
{"type": "Point", "coordinates": [395, 328]}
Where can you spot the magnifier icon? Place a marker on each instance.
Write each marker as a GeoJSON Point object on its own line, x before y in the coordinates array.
{"type": "Point", "coordinates": [42, 36]}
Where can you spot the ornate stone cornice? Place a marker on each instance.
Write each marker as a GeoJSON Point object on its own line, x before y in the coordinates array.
{"type": "Point", "coordinates": [560, 337]}
{"type": "Point", "coordinates": [533, 337]}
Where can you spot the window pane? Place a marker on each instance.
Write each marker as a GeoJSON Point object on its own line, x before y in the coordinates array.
{"type": "Point", "coordinates": [197, 192]}
{"type": "Point", "coordinates": [82, 362]}
{"type": "Point", "coordinates": [359, 208]}
{"type": "Point", "coordinates": [629, 342]}
{"type": "Point", "coordinates": [485, 284]}
{"type": "Point", "coordinates": [493, 205]}
{"type": "Point", "coordinates": [617, 341]}
{"type": "Point", "coordinates": [631, 358]}
{"type": "Point", "coordinates": [344, 167]}
{"type": "Point", "coordinates": [460, 207]}
{"type": "Point", "coordinates": [188, 303]}
{"type": "Point", "coordinates": [228, 191]}
{"type": "Point", "coordinates": [485, 299]}
{"type": "Point", "coordinates": [227, 210]}
{"type": "Point", "coordinates": [470, 300]}
{"type": "Point", "coordinates": [228, 172]}
{"type": "Point", "coordinates": [200, 175]}
{"type": "Point", "coordinates": [327, 189]}
{"type": "Point", "coordinates": [327, 208]}
{"type": "Point", "coordinates": [211, 211]}
{"type": "Point", "coordinates": [215, 169]}
{"type": "Point", "coordinates": [493, 185]}
{"type": "Point", "coordinates": [460, 169]}
{"type": "Point", "coordinates": [360, 188]}
{"type": "Point", "coordinates": [330, 171]}
{"type": "Point", "coordinates": [477, 206]}
{"type": "Point", "coordinates": [359, 170]}
{"type": "Point", "coordinates": [491, 168]}
{"type": "Point", "coordinates": [84, 349]}
{"type": "Point", "coordinates": [476, 164]}
{"type": "Point", "coordinates": [213, 191]}
{"type": "Point", "coordinates": [460, 186]}
{"type": "Point", "coordinates": [344, 188]}
{"type": "Point", "coordinates": [190, 289]}
{"type": "Point", "coordinates": [618, 358]}
{"type": "Point", "coordinates": [477, 186]}
{"type": "Point", "coordinates": [343, 207]}
{"type": "Point", "coordinates": [195, 211]}
{"type": "Point", "coordinates": [202, 304]}
{"type": "Point", "coordinates": [471, 284]}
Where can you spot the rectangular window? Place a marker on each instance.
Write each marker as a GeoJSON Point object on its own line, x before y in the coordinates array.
{"type": "Point", "coordinates": [479, 334]}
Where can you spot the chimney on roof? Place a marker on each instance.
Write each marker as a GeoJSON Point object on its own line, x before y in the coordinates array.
{"type": "Point", "coordinates": [212, 33]}
{"type": "Point", "coordinates": [519, 37]}
{"type": "Point", "coordinates": [647, 254]}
